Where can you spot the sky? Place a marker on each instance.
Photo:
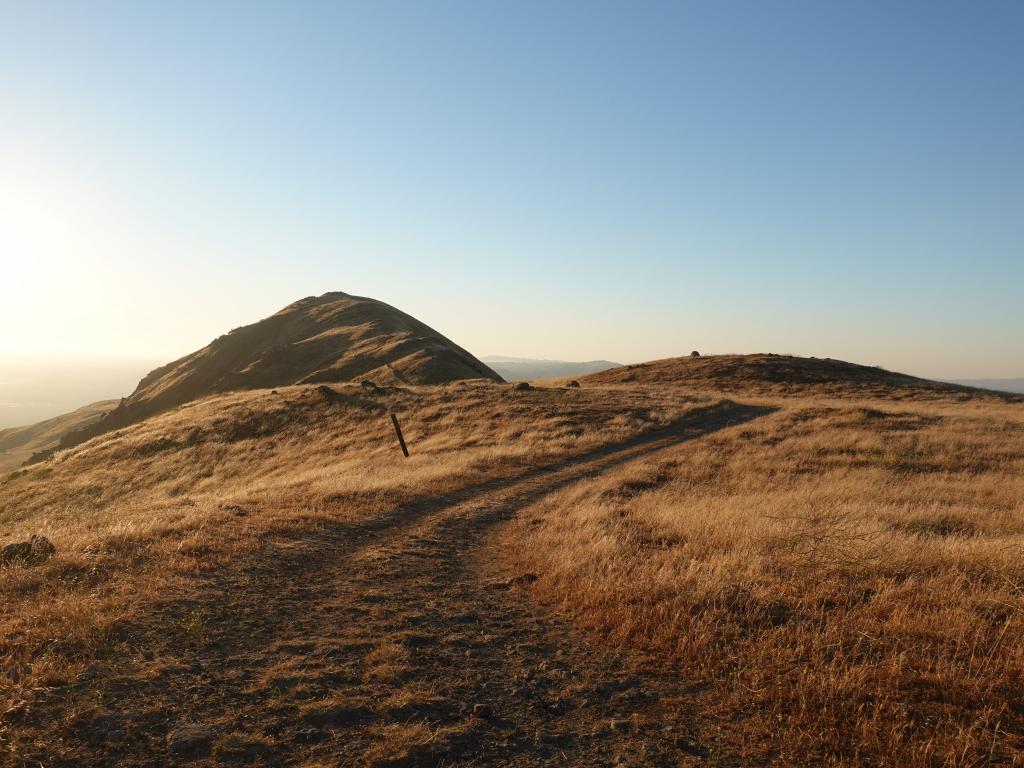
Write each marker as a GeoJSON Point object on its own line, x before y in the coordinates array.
{"type": "Point", "coordinates": [563, 180]}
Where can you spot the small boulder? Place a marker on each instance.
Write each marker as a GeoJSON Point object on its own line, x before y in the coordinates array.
{"type": "Point", "coordinates": [368, 385]}
{"type": "Point", "coordinates": [36, 550]}
{"type": "Point", "coordinates": [695, 353]}
{"type": "Point", "coordinates": [573, 384]}
{"type": "Point", "coordinates": [190, 741]}
{"type": "Point", "coordinates": [519, 386]}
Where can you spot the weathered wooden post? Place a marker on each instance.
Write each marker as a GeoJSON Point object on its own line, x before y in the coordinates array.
{"type": "Point", "coordinates": [398, 431]}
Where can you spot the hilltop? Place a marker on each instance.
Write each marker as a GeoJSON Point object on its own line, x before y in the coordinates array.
{"type": "Point", "coordinates": [331, 338]}
{"type": "Point", "coordinates": [786, 375]}
{"type": "Point", "coordinates": [18, 444]}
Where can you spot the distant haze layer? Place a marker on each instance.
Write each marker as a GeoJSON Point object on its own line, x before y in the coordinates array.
{"type": "Point", "coordinates": [525, 369]}
{"type": "Point", "coordinates": [33, 390]}
{"type": "Point", "coordinates": [1000, 385]}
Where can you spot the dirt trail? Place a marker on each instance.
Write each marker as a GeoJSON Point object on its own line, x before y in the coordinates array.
{"type": "Point", "coordinates": [393, 643]}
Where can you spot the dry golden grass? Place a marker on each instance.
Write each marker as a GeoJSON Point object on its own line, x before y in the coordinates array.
{"type": "Point", "coordinates": [138, 513]}
{"type": "Point", "coordinates": [846, 579]}
{"type": "Point", "coordinates": [844, 576]}
{"type": "Point", "coordinates": [791, 376]}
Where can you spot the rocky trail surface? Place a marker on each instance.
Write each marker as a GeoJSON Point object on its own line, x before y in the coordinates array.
{"type": "Point", "coordinates": [395, 642]}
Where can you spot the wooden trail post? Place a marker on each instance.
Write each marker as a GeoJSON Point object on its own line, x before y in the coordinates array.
{"type": "Point", "coordinates": [398, 431]}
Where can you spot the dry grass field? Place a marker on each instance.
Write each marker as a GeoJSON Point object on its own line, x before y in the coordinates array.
{"type": "Point", "coordinates": [624, 573]}
{"type": "Point", "coordinates": [844, 580]}
{"type": "Point", "coordinates": [142, 513]}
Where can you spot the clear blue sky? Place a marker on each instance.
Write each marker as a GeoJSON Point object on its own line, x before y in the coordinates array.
{"type": "Point", "coordinates": [570, 180]}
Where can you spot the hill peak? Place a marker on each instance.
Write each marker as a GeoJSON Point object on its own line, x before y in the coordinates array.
{"type": "Point", "coordinates": [335, 337]}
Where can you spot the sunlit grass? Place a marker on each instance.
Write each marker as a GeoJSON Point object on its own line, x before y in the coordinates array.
{"type": "Point", "coordinates": [847, 579]}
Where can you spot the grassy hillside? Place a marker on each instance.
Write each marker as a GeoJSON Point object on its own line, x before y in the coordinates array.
{"type": "Point", "coordinates": [141, 512]}
{"type": "Point", "coordinates": [329, 338]}
{"type": "Point", "coordinates": [835, 575]}
{"type": "Point", "coordinates": [785, 375]}
{"type": "Point", "coordinates": [18, 444]}
{"type": "Point", "coordinates": [844, 580]}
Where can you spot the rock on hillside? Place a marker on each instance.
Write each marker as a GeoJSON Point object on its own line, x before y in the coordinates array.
{"type": "Point", "coordinates": [331, 338]}
{"type": "Point", "coordinates": [782, 375]}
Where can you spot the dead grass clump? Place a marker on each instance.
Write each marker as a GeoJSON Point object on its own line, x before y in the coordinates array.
{"type": "Point", "coordinates": [388, 661]}
{"type": "Point", "coordinates": [940, 525]}
{"type": "Point", "coordinates": [413, 743]}
{"type": "Point", "coordinates": [242, 748]}
{"type": "Point", "coordinates": [399, 744]}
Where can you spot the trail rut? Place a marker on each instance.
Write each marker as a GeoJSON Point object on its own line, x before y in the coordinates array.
{"type": "Point", "coordinates": [393, 643]}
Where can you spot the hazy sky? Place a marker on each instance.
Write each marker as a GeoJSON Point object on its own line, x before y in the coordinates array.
{"type": "Point", "coordinates": [567, 180]}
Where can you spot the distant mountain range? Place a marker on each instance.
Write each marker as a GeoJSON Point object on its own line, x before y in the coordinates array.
{"type": "Point", "coordinates": [1000, 385]}
{"type": "Point", "coordinates": [526, 369]}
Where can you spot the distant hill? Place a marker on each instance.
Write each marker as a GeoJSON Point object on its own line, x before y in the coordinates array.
{"type": "Point", "coordinates": [18, 444]}
{"type": "Point", "coordinates": [331, 338]}
{"type": "Point", "coordinates": [36, 388]}
{"type": "Point", "coordinates": [525, 369]}
{"type": "Point", "coordinates": [999, 385]}
{"type": "Point", "coordinates": [771, 374]}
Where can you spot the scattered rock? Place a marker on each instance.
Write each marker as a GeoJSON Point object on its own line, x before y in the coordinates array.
{"type": "Point", "coordinates": [273, 391]}
{"type": "Point", "coordinates": [369, 386]}
{"type": "Point", "coordinates": [695, 353]}
{"type": "Point", "coordinates": [36, 550]}
{"type": "Point", "coordinates": [104, 726]}
{"type": "Point", "coordinates": [689, 746]}
{"type": "Point", "coordinates": [520, 386]}
{"type": "Point", "coordinates": [326, 392]}
{"type": "Point", "coordinates": [308, 736]}
{"type": "Point", "coordinates": [573, 384]}
{"type": "Point", "coordinates": [190, 741]}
